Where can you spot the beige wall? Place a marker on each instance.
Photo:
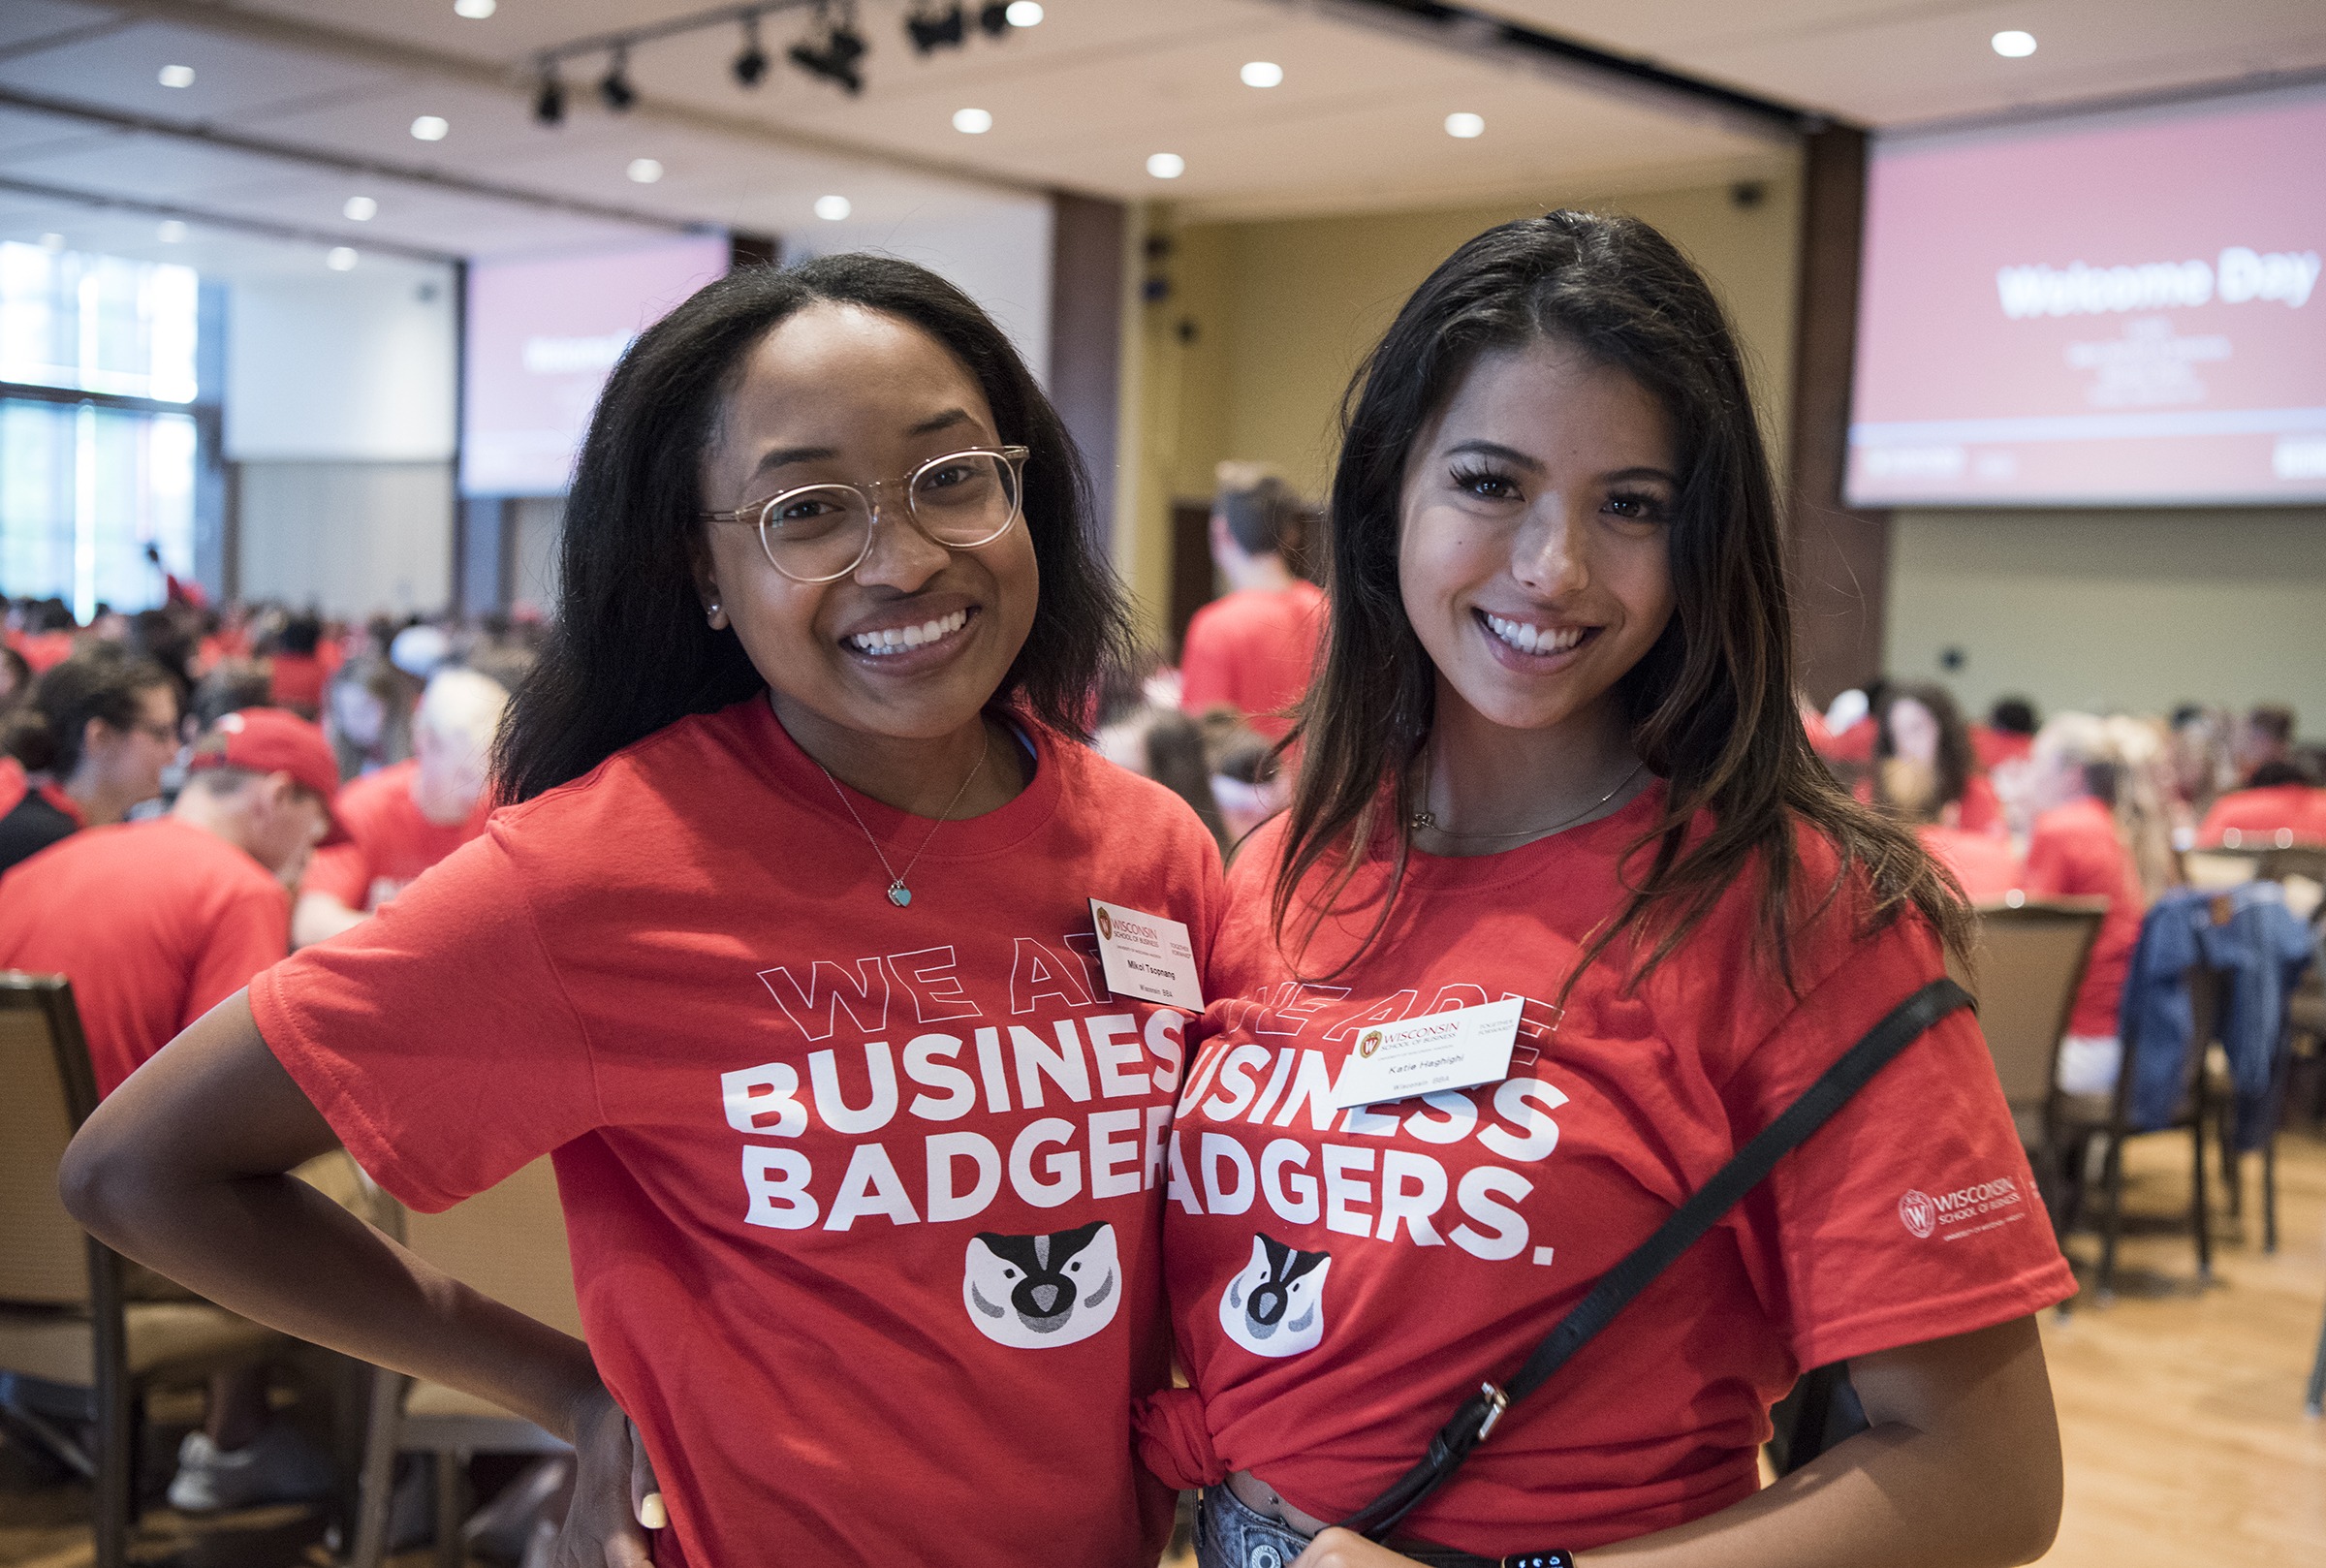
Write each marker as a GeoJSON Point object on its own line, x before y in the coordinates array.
{"type": "Point", "coordinates": [351, 539]}
{"type": "Point", "coordinates": [1283, 311]}
{"type": "Point", "coordinates": [2136, 611]}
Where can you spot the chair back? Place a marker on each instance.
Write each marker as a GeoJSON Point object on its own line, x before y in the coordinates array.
{"type": "Point", "coordinates": [508, 1241]}
{"type": "Point", "coordinates": [2027, 970]}
{"type": "Point", "coordinates": [44, 1064]}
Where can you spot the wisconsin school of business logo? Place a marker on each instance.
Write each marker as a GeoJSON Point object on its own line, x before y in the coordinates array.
{"type": "Point", "coordinates": [1370, 1044]}
{"type": "Point", "coordinates": [1919, 1213]}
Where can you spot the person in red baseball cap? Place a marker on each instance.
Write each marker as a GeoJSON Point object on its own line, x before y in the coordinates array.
{"type": "Point", "coordinates": [155, 923]}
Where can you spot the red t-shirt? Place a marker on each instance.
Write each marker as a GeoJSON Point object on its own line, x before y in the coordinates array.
{"type": "Point", "coordinates": [388, 842]}
{"type": "Point", "coordinates": [1454, 1232]}
{"type": "Point", "coordinates": [2074, 852]}
{"type": "Point", "coordinates": [2258, 816]}
{"type": "Point", "coordinates": [864, 1200]}
{"type": "Point", "coordinates": [1995, 747]}
{"type": "Point", "coordinates": [44, 651]}
{"type": "Point", "coordinates": [1255, 652]}
{"type": "Point", "coordinates": [1985, 864]}
{"type": "Point", "coordinates": [296, 681]}
{"type": "Point", "coordinates": [1855, 744]}
{"type": "Point", "coordinates": [155, 923]}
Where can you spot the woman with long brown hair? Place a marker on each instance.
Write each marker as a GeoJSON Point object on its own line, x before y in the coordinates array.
{"type": "Point", "coordinates": [1552, 763]}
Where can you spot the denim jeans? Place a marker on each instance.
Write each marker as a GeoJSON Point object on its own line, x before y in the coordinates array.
{"type": "Point", "coordinates": [1230, 1533]}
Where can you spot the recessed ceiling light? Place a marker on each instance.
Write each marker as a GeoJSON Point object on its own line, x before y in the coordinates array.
{"type": "Point", "coordinates": [972, 121]}
{"type": "Point", "coordinates": [340, 259]}
{"type": "Point", "coordinates": [176, 75]}
{"type": "Point", "coordinates": [833, 209]}
{"type": "Point", "coordinates": [1166, 165]}
{"type": "Point", "coordinates": [1024, 14]}
{"type": "Point", "coordinates": [52, 243]}
{"type": "Point", "coordinates": [1465, 126]}
{"type": "Point", "coordinates": [475, 9]}
{"type": "Point", "coordinates": [2013, 45]}
{"type": "Point", "coordinates": [1262, 73]}
{"type": "Point", "coordinates": [432, 128]}
{"type": "Point", "coordinates": [361, 208]}
{"type": "Point", "coordinates": [645, 170]}
{"type": "Point", "coordinates": [170, 231]}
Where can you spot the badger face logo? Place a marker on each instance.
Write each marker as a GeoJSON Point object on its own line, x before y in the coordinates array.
{"type": "Point", "coordinates": [1276, 1305]}
{"type": "Point", "coordinates": [1036, 1292]}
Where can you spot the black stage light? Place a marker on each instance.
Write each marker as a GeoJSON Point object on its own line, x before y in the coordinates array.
{"type": "Point", "coordinates": [834, 58]}
{"type": "Point", "coordinates": [549, 101]}
{"type": "Point", "coordinates": [994, 19]}
{"type": "Point", "coordinates": [751, 66]}
{"type": "Point", "coordinates": [614, 90]}
{"type": "Point", "coordinates": [932, 29]}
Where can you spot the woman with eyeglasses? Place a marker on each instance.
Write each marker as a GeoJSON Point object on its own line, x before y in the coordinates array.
{"type": "Point", "coordinates": [1556, 794]}
{"type": "Point", "coordinates": [782, 947]}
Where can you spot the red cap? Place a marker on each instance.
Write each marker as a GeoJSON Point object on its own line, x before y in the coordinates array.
{"type": "Point", "coordinates": [274, 741]}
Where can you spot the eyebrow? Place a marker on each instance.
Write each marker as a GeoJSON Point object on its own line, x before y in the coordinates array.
{"type": "Point", "coordinates": [1518, 459]}
{"type": "Point", "coordinates": [785, 457]}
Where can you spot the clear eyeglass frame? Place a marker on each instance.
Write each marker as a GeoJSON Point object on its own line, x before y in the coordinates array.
{"type": "Point", "coordinates": [758, 513]}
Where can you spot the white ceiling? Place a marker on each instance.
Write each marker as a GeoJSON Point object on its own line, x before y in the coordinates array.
{"type": "Point", "coordinates": [1078, 102]}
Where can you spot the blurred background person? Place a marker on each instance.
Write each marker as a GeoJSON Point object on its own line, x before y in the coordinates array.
{"type": "Point", "coordinates": [2204, 764]}
{"type": "Point", "coordinates": [2282, 803]}
{"type": "Point", "coordinates": [2074, 773]}
{"type": "Point", "coordinates": [156, 923]}
{"type": "Point", "coordinates": [1921, 724]}
{"type": "Point", "coordinates": [2008, 735]}
{"type": "Point", "coordinates": [296, 669]}
{"type": "Point", "coordinates": [1254, 648]}
{"type": "Point", "coordinates": [367, 713]}
{"type": "Point", "coordinates": [1983, 862]}
{"type": "Point", "coordinates": [92, 740]}
{"type": "Point", "coordinates": [407, 816]}
{"type": "Point", "coordinates": [2266, 736]}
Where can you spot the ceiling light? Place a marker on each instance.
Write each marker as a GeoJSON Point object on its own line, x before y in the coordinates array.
{"type": "Point", "coordinates": [548, 102]}
{"type": "Point", "coordinates": [833, 209]}
{"type": "Point", "coordinates": [475, 9]}
{"type": "Point", "coordinates": [1166, 165]}
{"type": "Point", "coordinates": [1262, 73]}
{"type": "Point", "coordinates": [614, 88]}
{"type": "Point", "coordinates": [972, 121]}
{"type": "Point", "coordinates": [340, 259]}
{"type": "Point", "coordinates": [932, 29]}
{"type": "Point", "coordinates": [1022, 13]}
{"type": "Point", "coordinates": [1465, 126]}
{"type": "Point", "coordinates": [52, 243]}
{"type": "Point", "coordinates": [176, 75]}
{"type": "Point", "coordinates": [751, 66]}
{"type": "Point", "coordinates": [2013, 45]}
{"type": "Point", "coordinates": [361, 208]}
{"type": "Point", "coordinates": [645, 170]}
{"type": "Point", "coordinates": [170, 231]}
{"type": "Point", "coordinates": [432, 128]}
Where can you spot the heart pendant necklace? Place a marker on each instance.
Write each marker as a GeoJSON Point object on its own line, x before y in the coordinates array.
{"type": "Point", "coordinates": [898, 893]}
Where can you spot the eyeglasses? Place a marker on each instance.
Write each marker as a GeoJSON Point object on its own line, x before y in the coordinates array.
{"type": "Point", "coordinates": [820, 533]}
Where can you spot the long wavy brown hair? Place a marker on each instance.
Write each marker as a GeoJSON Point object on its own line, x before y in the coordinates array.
{"type": "Point", "coordinates": [1710, 705]}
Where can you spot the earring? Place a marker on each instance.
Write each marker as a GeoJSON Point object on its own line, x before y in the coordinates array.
{"type": "Point", "coordinates": [718, 618]}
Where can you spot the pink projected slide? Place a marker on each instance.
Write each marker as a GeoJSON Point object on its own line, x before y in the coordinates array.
{"type": "Point", "coordinates": [2121, 311]}
{"type": "Point", "coordinates": [543, 336]}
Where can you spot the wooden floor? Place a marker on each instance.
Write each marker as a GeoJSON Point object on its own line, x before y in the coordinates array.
{"type": "Point", "coordinates": [2179, 1408]}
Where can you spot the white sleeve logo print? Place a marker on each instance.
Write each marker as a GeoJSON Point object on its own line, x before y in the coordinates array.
{"type": "Point", "coordinates": [1037, 1292]}
{"type": "Point", "coordinates": [1276, 1305]}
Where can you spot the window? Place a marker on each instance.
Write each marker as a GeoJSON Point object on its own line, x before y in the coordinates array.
{"type": "Point", "coordinates": [94, 465]}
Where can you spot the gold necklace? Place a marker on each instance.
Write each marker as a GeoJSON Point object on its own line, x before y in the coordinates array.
{"type": "Point", "coordinates": [1423, 818]}
{"type": "Point", "coordinates": [898, 893]}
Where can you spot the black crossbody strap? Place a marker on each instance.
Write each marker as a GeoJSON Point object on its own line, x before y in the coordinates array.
{"type": "Point", "coordinates": [1703, 1211]}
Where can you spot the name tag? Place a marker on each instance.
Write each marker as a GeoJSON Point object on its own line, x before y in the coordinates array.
{"type": "Point", "coordinates": [1443, 1051]}
{"type": "Point", "coordinates": [1147, 957]}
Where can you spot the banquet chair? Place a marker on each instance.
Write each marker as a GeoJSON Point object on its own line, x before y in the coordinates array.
{"type": "Point", "coordinates": [509, 1242]}
{"type": "Point", "coordinates": [2109, 1116]}
{"type": "Point", "coordinates": [2025, 971]}
{"type": "Point", "coordinates": [74, 1350]}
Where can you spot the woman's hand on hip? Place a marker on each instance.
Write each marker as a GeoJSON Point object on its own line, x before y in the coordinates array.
{"type": "Point", "coordinates": [1336, 1548]}
{"type": "Point", "coordinates": [617, 1500]}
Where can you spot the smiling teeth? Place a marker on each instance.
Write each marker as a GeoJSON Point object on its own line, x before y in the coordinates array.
{"type": "Point", "coordinates": [897, 639]}
{"type": "Point", "coordinates": [1527, 639]}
